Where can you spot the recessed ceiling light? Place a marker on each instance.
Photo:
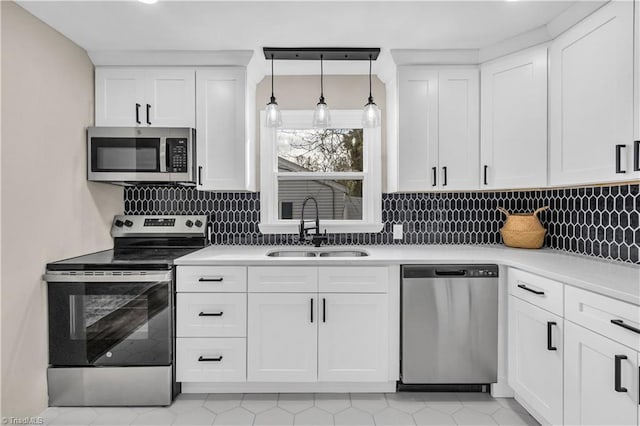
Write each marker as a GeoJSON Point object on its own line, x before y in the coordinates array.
{"type": "Point", "coordinates": [148, 1]}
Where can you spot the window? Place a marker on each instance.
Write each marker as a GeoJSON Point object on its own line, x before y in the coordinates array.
{"type": "Point", "coordinates": [339, 167]}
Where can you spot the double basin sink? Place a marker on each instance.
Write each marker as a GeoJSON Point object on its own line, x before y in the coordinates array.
{"type": "Point", "coordinates": [317, 253]}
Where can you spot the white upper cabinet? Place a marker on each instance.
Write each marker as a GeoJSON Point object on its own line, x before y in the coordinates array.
{"type": "Point", "coordinates": [513, 147]}
{"type": "Point", "coordinates": [438, 129]}
{"type": "Point", "coordinates": [156, 97]}
{"type": "Point", "coordinates": [591, 115]}
{"type": "Point", "coordinates": [220, 129]}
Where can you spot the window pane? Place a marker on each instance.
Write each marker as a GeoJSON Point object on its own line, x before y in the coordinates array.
{"type": "Point", "coordinates": [337, 199]}
{"type": "Point", "coordinates": [320, 150]}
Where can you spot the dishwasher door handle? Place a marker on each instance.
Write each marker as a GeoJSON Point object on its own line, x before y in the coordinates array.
{"type": "Point", "coordinates": [458, 273]}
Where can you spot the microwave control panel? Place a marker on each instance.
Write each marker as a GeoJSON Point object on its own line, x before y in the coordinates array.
{"type": "Point", "coordinates": [177, 155]}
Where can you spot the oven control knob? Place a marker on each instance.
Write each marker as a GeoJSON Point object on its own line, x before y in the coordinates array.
{"type": "Point", "coordinates": [119, 223]}
{"type": "Point", "coordinates": [198, 223]}
{"type": "Point", "coordinates": [128, 223]}
{"type": "Point", "coordinates": [189, 224]}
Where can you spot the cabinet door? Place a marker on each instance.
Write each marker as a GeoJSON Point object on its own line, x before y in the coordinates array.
{"type": "Point", "coordinates": [535, 368]}
{"type": "Point", "coordinates": [221, 145]}
{"type": "Point", "coordinates": [636, 72]}
{"type": "Point", "coordinates": [591, 98]}
{"type": "Point", "coordinates": [418, 129]}
{"type": "Point", "coordinates": [514, 121]}
{"type": "Point", "coordinates": [118, 91]}
{"type": "Point", "coordinates": [589, 380]}
{"type": "Point", "coordinates": [459, 129]}
{"type": "Point", "coordinates": [282, 337]}
{"type": "Point", "coordinates": [353, 337]}
{"type": "Point", "coordinates": [171, 98]}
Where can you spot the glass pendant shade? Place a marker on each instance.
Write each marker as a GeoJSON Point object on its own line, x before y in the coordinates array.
{"type": "Point", "coordinates": [371, 115]}
{"type": "Point", "coordinates": [321, 116]}
{"type": "Point", "coordinates": [273, 115]}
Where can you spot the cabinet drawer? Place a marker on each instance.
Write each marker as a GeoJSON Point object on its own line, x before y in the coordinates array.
{"type": "Point", "coordinates": [595, 312]}
{"type": "Point", "coordinates": [211, 315]}
{"type": "Point", "coordinates": [294, 279]}
{"type": "Point", "coordinates": [211, 360]}
{"type": "Point", "coordinates": [540, 291]}
{"type": "Point", "coordinates": [353, 279]}
{"type": "Point", "coordinates": [211, 279]}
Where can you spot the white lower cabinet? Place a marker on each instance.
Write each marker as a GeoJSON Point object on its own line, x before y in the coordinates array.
{"type": "Point", "coordinates": [211, 360]}
{"type": "Point", "coordinates": [535, 358]}
{"type": "Point", "coordinates": [282, 337]}
{"type": "Point", "coordinates": [600, 380]}
{"type": "Point", "coordinates": [353, 338]}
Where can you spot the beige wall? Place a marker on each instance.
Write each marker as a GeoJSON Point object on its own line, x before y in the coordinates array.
{"type": "Point", "coordinates": [49, 210]}
{"type": "Point", "coordinates": [340, 92]}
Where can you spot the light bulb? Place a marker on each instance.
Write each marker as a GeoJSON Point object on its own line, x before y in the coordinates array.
{"type": "Point", "coordinates": [371, 116]}
{"type": "Point", "coordinates": [321, 116]}
{"type": "Point", "coordinates": [273, 115]}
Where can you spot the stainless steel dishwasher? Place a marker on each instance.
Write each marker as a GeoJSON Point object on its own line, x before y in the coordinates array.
{"type": "Point", "coordinates": [449, 324]}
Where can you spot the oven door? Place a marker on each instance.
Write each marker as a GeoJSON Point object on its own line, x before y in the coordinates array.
{"type": "Point", "coordinates": [110, 318]}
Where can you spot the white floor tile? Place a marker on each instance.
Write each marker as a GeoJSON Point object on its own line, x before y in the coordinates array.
{"type": "Point", "coordinates": [369, 402]}
{"type": "Point", "coordinates": [429, 416]}
{"type": "Point", "coordinates": [353, 417]}
{"type": "Point", "coordinates": [512, 404]}
{"type": "Point", "coordinates": [405, 402]}
{"type": "Point", "coordinates": [221, 402]}
{"type": "Point", "coordinates": [295, 402]}
{"type": "Point", "coordinates": [114, 416]}
{"type": "Point", "coordinates": [187, 402]}
{"type": "Point", "coordinates": [274, 417]}
{"type": "Point", "coordinates": [314, 417]}
{"type": "Point", "coordinates": [486, 407]}
{"type": "Point", "coordinates": [506, 416]}
{"type": "Point", "coordinates": [236, 416]}
{"type": "Point", "coordinates": [333, 402]}
{"type": "Point", "coordinates": [198, 416]}
{"type": "Point", "coordinates": [155, 417]}
{"type": "Point", "coordinates": [392, 417]}
{"type": "Point", "coordinates": [75, 416]}
{"type": "Point", "coordinates": [468, 416]}
{"type": "Point", "coordinates": [447, 407]}
{"type": "Point", "coordinates": [259, 402]}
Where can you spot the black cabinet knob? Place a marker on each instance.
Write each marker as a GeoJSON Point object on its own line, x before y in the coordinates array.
{"type": "Point", "coordinates": [118, 223]}
{"type": "Point", "coordinates": [128, 223]}
{"type": "Point", "coordinates": [189, 224]}
{"type": "Point", "coordinates": [198, 223]}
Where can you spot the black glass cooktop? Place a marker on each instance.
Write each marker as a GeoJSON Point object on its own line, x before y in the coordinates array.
{"type": "Point", "coordinates": [123, 259]}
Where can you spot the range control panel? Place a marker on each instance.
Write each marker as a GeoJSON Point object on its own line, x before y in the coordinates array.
{"type": "Point", "coordinates": [147, 225]}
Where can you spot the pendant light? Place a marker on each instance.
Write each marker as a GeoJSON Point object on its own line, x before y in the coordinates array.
{"type": "Point", "coordinates": [321, 116]}
{"type": "Point", "coordinates": [371, 113]}
{"type": "Point", "coordinates": [273, 115]}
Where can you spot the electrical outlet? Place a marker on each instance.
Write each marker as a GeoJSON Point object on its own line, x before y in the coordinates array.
{"type": "Point", "coordinates": [397, 231]}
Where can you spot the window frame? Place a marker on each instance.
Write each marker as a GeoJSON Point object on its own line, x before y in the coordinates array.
{"type": "Point", "coordinates": [371, 175]}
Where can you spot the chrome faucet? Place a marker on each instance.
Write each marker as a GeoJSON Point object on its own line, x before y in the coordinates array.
{"type": "Point", "coordinates": [304, 229]}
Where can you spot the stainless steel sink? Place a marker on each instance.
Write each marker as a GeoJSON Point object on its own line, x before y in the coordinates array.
{"type": "Point", "coordinates": [291, 253]}
{"type": "Point", "coordinates": [344, 253]}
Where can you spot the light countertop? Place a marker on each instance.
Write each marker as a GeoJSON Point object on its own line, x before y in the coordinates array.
{"type": "Point", "coordinates": [613, 279]}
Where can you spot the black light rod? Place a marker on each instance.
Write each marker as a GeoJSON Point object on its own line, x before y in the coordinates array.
{"type": "Point", "coordinates": [328, 53]}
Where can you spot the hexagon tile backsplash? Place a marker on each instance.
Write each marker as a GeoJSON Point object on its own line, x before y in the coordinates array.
{"type": "Point", "coordinates": [595, 221]}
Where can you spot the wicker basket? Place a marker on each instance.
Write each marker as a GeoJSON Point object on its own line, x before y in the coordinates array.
{"type": "Point", "coordinates": [523, 230]}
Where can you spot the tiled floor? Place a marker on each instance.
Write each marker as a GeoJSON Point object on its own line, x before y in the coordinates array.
{"type": "Point", "coordinates": [390, 409]}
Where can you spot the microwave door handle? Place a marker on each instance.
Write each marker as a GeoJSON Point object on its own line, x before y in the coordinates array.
{"type": "Point", "coordinates": [163, 155]}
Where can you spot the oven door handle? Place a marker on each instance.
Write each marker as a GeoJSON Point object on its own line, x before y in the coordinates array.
{"type": "Point", "coordinates": [108, 277]}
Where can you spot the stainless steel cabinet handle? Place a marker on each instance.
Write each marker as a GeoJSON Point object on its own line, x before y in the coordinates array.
{"type": "Point", "coordinates": [216, 359]}
{"type": "Point", "coordinates": [550, 346]}
{"type": "Point", "coordinates": [210, 314]}
{"type": "Point", "coordinates": [618, 373]}
{"type": "Point", "coordinates": [537, 292]}
{"type": "Point", "coordinates": [621, 323]}
{"type": "Point", "coordinates": [211, 280]}
{"type": "Point", "coordinates": [619, 158]}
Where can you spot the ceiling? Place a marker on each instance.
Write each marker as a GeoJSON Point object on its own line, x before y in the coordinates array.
{"type": "Point", "coordinates": [226, 25]}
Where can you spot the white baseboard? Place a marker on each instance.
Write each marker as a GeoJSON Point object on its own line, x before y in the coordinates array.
{"type": "Point", "coordinates": [207, 387]}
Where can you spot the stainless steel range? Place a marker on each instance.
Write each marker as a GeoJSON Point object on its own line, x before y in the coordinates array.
{"type": "Point", "coordinates": [112, 316]}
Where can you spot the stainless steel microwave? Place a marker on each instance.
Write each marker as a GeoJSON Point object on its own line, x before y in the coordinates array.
{"type": "Point", "coordinates": [148, 154]}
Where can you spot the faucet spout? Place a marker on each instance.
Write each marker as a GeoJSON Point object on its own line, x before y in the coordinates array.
{"type": "Point", "coordinates": [304, 229]}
